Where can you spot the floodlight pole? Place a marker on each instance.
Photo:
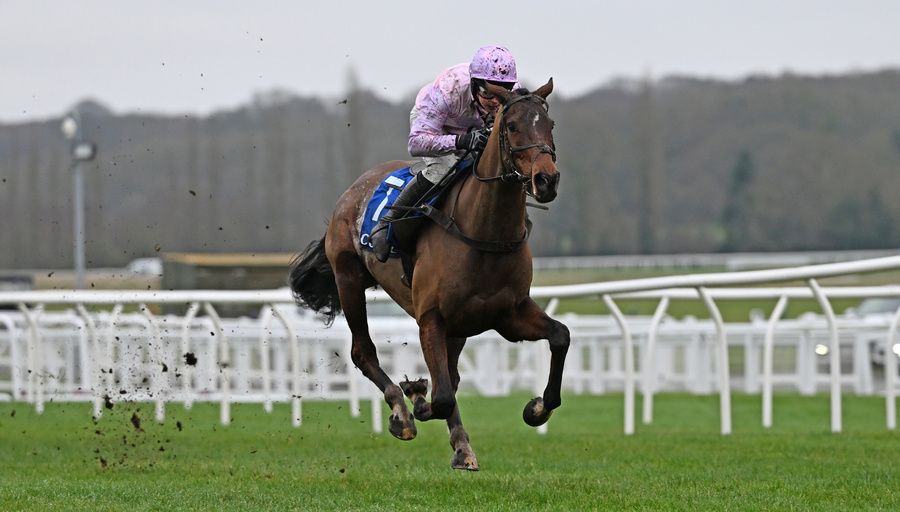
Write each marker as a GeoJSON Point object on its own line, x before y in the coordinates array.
{"type": "Point", "coordinates": [80, 151]}
{"type": "Point", "coordinates": [78, 188]}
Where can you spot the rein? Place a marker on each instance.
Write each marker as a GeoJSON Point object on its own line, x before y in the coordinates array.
{"type": "Point", "coordinates": [511, 173]}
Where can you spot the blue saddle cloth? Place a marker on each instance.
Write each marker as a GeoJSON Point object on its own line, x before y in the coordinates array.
{"type": "Point", "coordinates": [382, 200]}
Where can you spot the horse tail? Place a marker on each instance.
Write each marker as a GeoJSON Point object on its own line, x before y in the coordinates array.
{"type": "Point", "coordinates": [312, 281]}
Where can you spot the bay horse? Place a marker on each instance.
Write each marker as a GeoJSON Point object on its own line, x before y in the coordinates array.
{"type": "Point", "coordinates": [458, 290]}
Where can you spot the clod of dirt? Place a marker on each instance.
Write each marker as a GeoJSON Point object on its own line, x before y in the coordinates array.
{"type": "Point", "coordinates": [102, 462]}
{"type": "Point", "coordinates": [178, 424]}
{"type": "Point", "coordinates": [190, 359]}
{"type": "Point", "coordinates": [107, 402]}
{"type": "Point", "coordinates": [165, 368]}
{"type": "Point", "coordinates": [12, 414]}
{"type": "Point", "coordinates": [136, 421]}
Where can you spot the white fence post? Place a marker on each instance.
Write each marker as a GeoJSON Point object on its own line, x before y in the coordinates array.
{"type": "Point", "coordinates": [296, 380]}
{"type": "Point", "coordinates": [34, 357]}
{"type": "Point", "coordinates": [835, 355]}
{"type": "Point", "coordinates": [768, 354]}
{"type": "Point", "coordinates": [16, 365]}
{"type": "Point", "coordinates": [187, 371]}
{"type": "Point", "coordinates": [157, 352]}
{"type": "Point", "coordinates": [890, 372]}
{"type": "Point", "coordinates": [222, 352]}
{"type": "Point", "coordinates": [265, 364]}
{"type": "Point", "coordinates": [649, 370]}
{"type": "Point", "coordinates": [629, 363]}
{"type": "Point", "coordinates": [721, 362]}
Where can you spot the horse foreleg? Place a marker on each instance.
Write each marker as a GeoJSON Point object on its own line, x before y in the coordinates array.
{"type": "Point", "coordinates": [531, 323]}
{"type": "Point", "coordinates": [463, 455]}
{"type": "Point", "coordinates": [433, 338]}
{"type": "Point", "coordinates": [363, 353]}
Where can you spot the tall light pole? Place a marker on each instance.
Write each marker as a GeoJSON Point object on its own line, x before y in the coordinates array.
{"type": "Point", "coordinates": [81, 151]}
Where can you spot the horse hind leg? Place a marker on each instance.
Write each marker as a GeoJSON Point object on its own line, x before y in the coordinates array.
{"type": "Point", "coordinates": [350, 276]}
{"type": "Point", "coordinates": [416, 391]}
{"type": "Point", "coordinates": [531, 323]}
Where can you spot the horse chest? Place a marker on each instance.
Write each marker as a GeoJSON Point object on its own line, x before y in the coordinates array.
{"type": "Point", "coordinates": [477, 312]}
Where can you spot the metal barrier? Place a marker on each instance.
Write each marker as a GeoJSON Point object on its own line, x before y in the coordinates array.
{"type": "Point", "coordinates": [281, 332]}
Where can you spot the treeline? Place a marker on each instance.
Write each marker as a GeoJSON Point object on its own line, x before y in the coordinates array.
{"type": "Point", "coordinates": [676, 165]}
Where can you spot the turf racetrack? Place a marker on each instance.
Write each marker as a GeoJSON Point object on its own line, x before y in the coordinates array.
{"type": "Point", "coordinates": [64, 461]}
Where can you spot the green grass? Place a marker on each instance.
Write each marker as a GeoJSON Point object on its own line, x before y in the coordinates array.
{"type": "Point", "coordinates": [334, 462]}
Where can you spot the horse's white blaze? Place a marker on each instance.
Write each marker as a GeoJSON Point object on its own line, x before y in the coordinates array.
{"type": "Point", "coordinates": [534, 122]}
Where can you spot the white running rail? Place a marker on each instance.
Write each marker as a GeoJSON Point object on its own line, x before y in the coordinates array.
{"type": "Point", "coordinates": [99, 345]}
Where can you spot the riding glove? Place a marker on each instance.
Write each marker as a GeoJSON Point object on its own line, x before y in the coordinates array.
{"type": "Point", "coordinates": [474, 140]}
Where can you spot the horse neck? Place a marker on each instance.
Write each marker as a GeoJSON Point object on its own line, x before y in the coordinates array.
{"type": "Point", "coordinates": [491, 210]}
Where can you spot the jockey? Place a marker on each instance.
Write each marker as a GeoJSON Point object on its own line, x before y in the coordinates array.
{"type": "Point", "coordinates": [451, 116]}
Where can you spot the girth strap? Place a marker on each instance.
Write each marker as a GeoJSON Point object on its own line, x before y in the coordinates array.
{"type": "Point", "coordinates": [449, 225]}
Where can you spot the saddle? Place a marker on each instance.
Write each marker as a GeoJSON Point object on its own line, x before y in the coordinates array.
{"type": "Point", "coordinates": [405, 230]}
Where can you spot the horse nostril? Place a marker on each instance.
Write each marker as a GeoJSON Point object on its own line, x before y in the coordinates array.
{"type": "Point", "coordinates": [544, 179]}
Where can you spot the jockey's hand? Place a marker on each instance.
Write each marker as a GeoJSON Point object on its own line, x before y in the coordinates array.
{"type": "Point", "coordinates": [474, 140]}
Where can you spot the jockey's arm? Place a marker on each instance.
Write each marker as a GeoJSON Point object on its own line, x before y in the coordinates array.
{"type": "Point", "coordinates": [427, 135]}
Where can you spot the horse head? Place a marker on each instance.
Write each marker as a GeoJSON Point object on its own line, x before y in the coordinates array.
{"type": "Point", "coordinates": [525, 130]}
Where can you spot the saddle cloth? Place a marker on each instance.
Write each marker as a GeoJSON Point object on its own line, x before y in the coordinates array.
{"type": "Point", "coordinates": [380, 203]}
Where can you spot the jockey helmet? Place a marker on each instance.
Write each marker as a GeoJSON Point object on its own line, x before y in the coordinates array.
{"type": "Point", "coordinates": [494, 64]}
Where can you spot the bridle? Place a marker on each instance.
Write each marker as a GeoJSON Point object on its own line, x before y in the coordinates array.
{"type": "Point", "coordinates": [511, 173]}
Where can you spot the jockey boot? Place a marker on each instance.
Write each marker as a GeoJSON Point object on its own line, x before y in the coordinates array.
{"type": "Point", "coordinates": [409, 196]}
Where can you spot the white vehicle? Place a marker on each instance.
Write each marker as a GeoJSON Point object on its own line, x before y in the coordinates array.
{"type": "Point", "coordinates": [884, 306]}
{"type": "Point", "coordinates": [146, 267]}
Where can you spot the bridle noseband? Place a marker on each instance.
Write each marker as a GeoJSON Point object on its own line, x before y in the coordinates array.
{"type": "Point", "coordinates": [511, 173]}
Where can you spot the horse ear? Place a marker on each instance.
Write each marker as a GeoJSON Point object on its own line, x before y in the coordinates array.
{"type": "Point", "coordinates": [545, 90]}
{"type": "Point", "coordinates": [501, 93]}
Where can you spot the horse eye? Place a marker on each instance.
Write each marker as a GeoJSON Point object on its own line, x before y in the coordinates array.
{"type": "Point", "coordinates": [512, 127]}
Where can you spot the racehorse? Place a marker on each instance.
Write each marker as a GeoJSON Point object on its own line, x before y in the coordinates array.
{"type": "Point", "coordinates": [462, 285]}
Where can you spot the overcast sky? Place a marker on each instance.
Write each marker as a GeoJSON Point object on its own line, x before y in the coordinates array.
{"type": "Point", "coordinates": [199, 56]}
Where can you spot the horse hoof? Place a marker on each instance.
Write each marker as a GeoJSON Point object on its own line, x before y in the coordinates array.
{"type": "Point", "coordinates": [405, 431]}
{"type": "Point", "coordinates": [422, 409]}
{"type": "Point", "coordinates": [413, 388]}
{"type": "Point", "coordinates": [464, 459]}
{"type": "Point", "coordinates": [535, 414]}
